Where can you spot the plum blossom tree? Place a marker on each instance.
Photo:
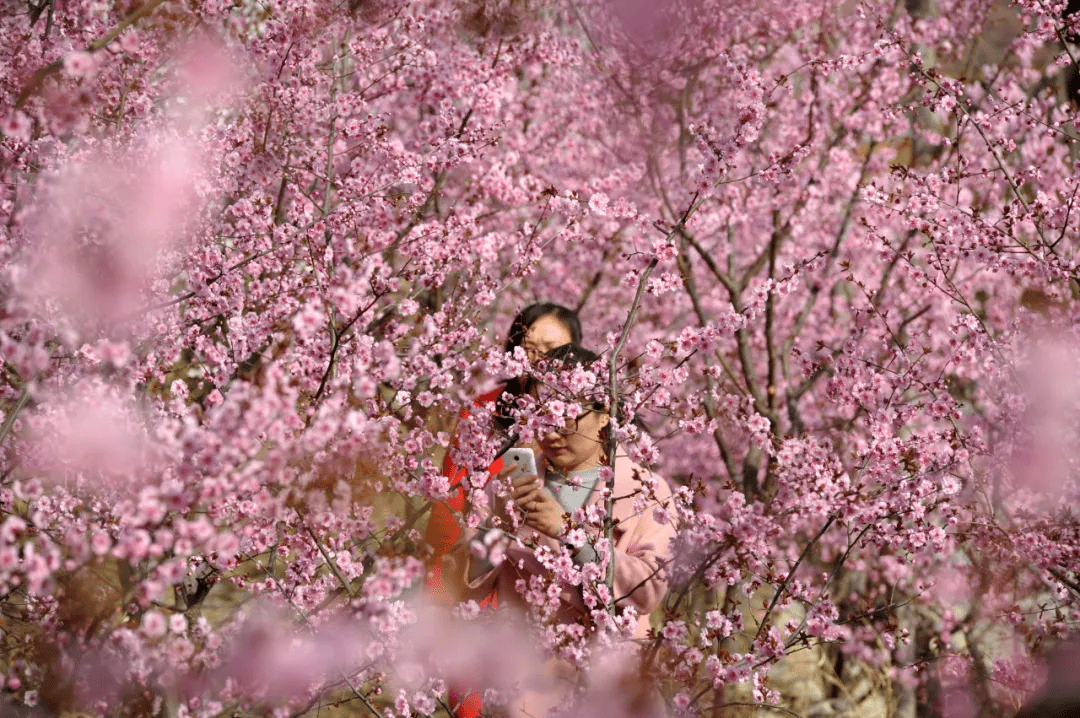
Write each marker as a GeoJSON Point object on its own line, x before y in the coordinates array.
{"type": "Point", "coordinates": [256, 255]}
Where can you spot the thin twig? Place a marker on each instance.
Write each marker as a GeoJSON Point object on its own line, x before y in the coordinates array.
{"type": "Point", "coordinates": [783, 586]}
{"type": "Point", "coordinates": [9, 422]}
{"type": "Point", "coordinates": [1065, 580]}
{"type": "Point", "coordinates": [613, 410]}
{"type": "Point", "coordinates": [329, 561]}
{"type": "Point", "coordinates": [613, 386]}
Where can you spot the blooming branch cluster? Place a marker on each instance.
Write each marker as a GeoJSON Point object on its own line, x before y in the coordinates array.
{"type": "Point", "coordinates": [256, 257]}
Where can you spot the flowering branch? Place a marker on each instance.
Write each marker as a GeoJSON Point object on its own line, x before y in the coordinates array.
{"type": "Point", "coordinates": [613, 387]}
{"type": "Point", "coordinates": [783, 586]}
{"type": "Point", "coordinates": [39, 76]}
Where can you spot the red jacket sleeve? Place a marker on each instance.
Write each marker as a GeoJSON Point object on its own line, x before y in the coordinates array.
{"type": "Point", "coordinates": [443, 529]}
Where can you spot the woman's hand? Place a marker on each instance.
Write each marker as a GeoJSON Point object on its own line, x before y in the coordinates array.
{"type": "Point", "coordinates": [520, 487]}
{"type": "Point", "coordinates": [542, 512]}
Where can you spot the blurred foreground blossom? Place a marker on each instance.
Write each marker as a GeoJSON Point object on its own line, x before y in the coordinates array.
{"type": "Point", "coordinates": [650, 26]}
{"type": "Point", "coordinates": [951, 585]}
{"type": "Point", "coordinates": [494, 653]}
{"type": "Point", "coordinates": [102, 226]}
{"type": "Point", "coordinates": [273, 659]}
{"type": "Point", "coordinates": [208, 70]}
{"type": "Point", "coordinates": [617, 688]}
{"type": "Point", "coordinates": [1046, 452]}
{"type": "Point", "coordinates": [501, 655]}
{"type": "Point", "coordinates": [956, 701]}
{"type": "Point", "coordinates": [92, 433]}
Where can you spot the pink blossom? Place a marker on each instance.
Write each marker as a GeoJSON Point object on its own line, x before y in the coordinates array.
{"type": "Point", "coordinates": [100, 543]}
{"type": "Point", "coordinates": [17, 125]}
{"type": "Point", "coordinates": [576, 538]}
{"type": "Point", "coordinates": [153, 624]}
{"type": "Point", "coordinates": [468, 610]}
{"type": "Point", "coordinates": [11, 528]}
{"type": "Point", "coordinates": [177, 623]}
{"type": "Point", "coordinates": [759, 428]}
{"type": "Point", "coordinates": [664, 250]}
{"type": "Point", "coordinates": [308, 321]}
{"type": "Point", "coordinates": [80, 65]}
{"type": "Point", "coordinates": [598, 203]}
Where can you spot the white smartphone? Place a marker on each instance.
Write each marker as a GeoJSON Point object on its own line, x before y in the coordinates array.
{"type": "Point", "coordinates": [523, 461]}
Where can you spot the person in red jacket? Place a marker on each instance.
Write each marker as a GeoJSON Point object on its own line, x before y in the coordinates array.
{"type": "Point", "coordinates": [538, 329]}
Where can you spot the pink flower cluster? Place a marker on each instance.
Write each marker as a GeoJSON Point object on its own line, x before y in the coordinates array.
{"type": "Point", "coordinates": [250, 277]}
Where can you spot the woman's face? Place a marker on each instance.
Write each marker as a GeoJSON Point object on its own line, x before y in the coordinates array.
{"type": "Point", "coordinates": [543, 335]}
{"type": "Point", "coordinates": [578, 445]}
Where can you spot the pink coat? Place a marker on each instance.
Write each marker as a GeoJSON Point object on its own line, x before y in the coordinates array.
{"type": "Point", "coordinates": [641, 547]}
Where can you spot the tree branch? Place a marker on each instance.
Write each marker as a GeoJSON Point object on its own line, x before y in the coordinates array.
{"type": "Point", "coordinates": [39, 76]}
{"type": "Point", "coordinates": [783, 586]}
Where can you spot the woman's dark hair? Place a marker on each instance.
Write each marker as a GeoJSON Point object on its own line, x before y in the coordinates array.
{"type": "Point", "coordinates": [566, 356]}
{"type": "Point", "coordinates": [572, 354]}
{"type": "Point", "coordinates": [569, 355]}
{"type": "Point", "coordinates": [528, 316]}
{"type": "Point", "coordinates": [516, 386]}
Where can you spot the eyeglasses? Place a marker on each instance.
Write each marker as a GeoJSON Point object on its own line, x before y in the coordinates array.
{"type": "Point", "coordinates": [570, 426]}
{"type": "Point", "coordinates": [535, 353]}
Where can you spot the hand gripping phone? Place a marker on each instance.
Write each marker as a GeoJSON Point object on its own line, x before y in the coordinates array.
{"type": "Point", "coordinates": [523, 461]}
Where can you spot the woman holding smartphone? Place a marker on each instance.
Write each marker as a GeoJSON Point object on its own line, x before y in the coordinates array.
{"type": "Point", "coordinates": [571, 456]}
{"type": "Point", "coordinates": [538, 328]}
